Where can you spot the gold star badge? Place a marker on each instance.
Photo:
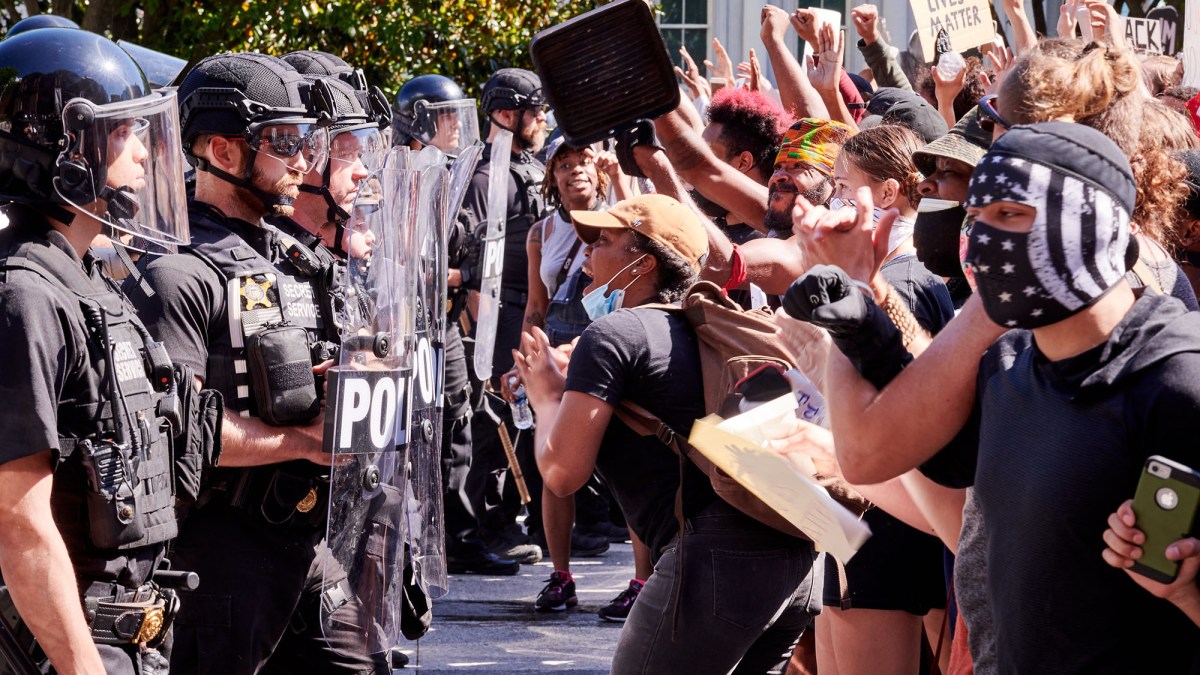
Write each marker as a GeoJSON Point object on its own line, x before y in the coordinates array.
{"type": "Point", "coordinates": [255, 293]}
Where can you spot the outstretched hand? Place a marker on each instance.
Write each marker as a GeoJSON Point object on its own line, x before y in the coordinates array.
{"type": "Point", "coordinates": [542, 368]}
{"type": "Point", "coordinates": [724, 66]}
{"type": "Point", "coordinates": [848, 238]}
{"type": "Point", "coordinates": [691, 76]}
{"type": "Point", "coordinates": [825, 72]}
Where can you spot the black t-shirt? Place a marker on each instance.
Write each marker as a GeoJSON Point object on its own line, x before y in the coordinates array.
{"type": "Point", "coordinates": [1057, 447]}
{"type": "Point", "coordinates": [188, 312]}
{"type": "Point", "coordinates": [652, 358]}
{"type": "Point", "coordinates": [44, 343]}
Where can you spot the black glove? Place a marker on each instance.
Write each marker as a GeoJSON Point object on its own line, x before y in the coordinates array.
{"type": "Point", "coordinates": [641, 133]}
{"type": "Point", "coordinates": [470, 267]}
{"type": "Point", "coordinates": [826, 297]}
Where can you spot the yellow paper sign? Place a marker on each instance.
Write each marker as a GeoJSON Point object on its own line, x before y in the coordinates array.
{"type": "Point", "coordinates": [773, 479]}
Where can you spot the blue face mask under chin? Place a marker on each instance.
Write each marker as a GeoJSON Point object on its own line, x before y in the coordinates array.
{"type": "Point", "coordinates": [597, 305]}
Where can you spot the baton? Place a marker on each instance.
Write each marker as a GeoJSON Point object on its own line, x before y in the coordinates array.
{"type": "Point", "coordinates": [513, 464]}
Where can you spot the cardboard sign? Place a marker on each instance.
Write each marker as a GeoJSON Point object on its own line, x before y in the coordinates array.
{"type": "Point", "coordinates": [1191, 44]}
{"type": "Point", "coordinates": [967, 22]}
{"type": "Point", "coordinates": [1157, 34]}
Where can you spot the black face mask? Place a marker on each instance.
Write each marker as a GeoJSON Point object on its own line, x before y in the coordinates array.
{"type": "Point", "coordinates": [936, 236]}
{"type": "Point", "coordinates": [707, 206]}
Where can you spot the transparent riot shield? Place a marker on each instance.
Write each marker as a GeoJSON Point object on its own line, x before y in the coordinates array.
{"type": "Point", "coordinates": [367, 426]}
{"type": "Point", "coordinates": [493, 256]}
{"type": "Point", "coordinates": [426, 524]}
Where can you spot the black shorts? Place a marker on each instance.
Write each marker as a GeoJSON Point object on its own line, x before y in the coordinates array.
{"type": "Point", "coordinates": [899, 568]}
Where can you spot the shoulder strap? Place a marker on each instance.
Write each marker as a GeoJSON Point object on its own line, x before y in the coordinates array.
{"type": "Point", "coordinates": [568, 261]}
{"type": "Point", "coordinates": [1146, 275]}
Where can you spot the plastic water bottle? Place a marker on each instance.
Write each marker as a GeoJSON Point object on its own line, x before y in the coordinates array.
{"type": "Point", "coordinates": [1083, 16]}
{"type": "Point", "coordinates": [950, 65]}
{"type": "Point", "coordinates": [522, 414]}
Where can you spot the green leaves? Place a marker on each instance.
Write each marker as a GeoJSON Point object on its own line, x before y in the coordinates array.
{"type": "Point", "coordinates": [392, 40]}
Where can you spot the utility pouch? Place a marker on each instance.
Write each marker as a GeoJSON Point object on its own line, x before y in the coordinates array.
{"type": "Point", "coordinates": [198, 445]}
{"type": "Point", "coordinates": [280, 363]}
{"type": "Point", "coordinates": [111, 496]}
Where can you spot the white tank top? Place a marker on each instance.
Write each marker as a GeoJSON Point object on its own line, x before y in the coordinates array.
{"type": "Point", "coordinates": [556, 244]}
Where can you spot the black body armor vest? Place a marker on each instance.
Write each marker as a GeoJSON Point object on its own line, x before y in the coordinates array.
{"type": "Point", "coordinates": [113, 488]}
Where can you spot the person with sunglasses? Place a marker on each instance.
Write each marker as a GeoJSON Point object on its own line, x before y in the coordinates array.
{"type": "Point", "coordinates": [248, 309]}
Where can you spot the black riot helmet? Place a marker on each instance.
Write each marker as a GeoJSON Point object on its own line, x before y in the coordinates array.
{"type": "Point", "coordinates": [40, 21]}
{"type": "Point", "coordinates": [433, 110]}
{"type": "Point", "coordinates": [323, 64]}
{"type": "Point", "coordinates": [80, 126]}
{"type": "Point", "coordinates": [512, 88]}
{"type": "Point", "coordinates": [354, 137]}
{"type": "Point", "coordinates": [263, 101]}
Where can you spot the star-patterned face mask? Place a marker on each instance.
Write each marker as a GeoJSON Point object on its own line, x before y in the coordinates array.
{"type": "Point", "coordinates": [1073, 254]}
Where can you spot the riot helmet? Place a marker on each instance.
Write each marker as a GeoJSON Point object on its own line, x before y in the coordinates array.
{"type": "Point", "coordinates": [519, 90]}
{"type": "Point", "coordinates": [264, 102]}
{"type": "Point", "coordinates": [511, 89]}
{"type": "Point", "coordinates": [323, 64]}
{"type": "Point", "coordinates": [80, 126]}
{"type": "Point", "coordinates": [433, 110]}
{"type": "Point", "coordinates": [40, 21]}
{"type": "Point", "coordinates": [356, 149]}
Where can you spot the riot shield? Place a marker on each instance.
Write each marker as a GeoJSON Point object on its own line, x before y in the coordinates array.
{"type": "Point", "coordinates": [493, 256]}
{"type": "Point", "coordinates": [368, 417]}
{"type": "Point", "coordinates": [427, 526]}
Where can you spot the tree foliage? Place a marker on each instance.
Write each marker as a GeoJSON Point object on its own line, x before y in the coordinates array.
{"type": "Point", "coordinates": [392, 40]}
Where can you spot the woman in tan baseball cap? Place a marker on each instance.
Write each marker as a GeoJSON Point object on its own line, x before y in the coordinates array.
{"type": "Point", "coordinates": [743, 590]}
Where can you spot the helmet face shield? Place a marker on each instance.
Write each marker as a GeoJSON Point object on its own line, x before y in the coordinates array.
{"type": "Point", "coordinates": [449, 126]}
{"type": "Point", "coordinates": [301, 146]}
{"type": "Point", "coordinates": [364, 146]}
{"type": "Point", "coordinates": [124, 166]}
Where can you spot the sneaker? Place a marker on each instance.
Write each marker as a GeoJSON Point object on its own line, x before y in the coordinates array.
{"type": "Point", "coordinates": [481, 562]}
{"type": "Point", "coordinates": [514, 544]}
{"type": "Point", "coordinates": [618, 609]}
{"type": "Point", "coordinates": [558, 595]}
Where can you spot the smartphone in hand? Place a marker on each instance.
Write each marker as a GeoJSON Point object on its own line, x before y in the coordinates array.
{"type": "Point", "coordinates": [1165, 503]}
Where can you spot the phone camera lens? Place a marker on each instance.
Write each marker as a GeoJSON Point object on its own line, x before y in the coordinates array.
{"type": "Point", "coordinates": [1166, 498]}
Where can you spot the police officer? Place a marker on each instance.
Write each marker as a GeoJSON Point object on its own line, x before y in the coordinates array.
{"type": "Point", "coordinates": [433, 110]}
{"type": "Point", "coordinates": [513, 101]}
{"type": "Point", "coordinates": [86, 490]}
{"type": "Point", "coordinates": [251, 311]}
{"type": "Point", "coordinates": [356, 148]}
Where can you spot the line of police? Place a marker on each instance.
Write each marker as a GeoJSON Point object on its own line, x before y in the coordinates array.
{"type": "Point", "coordinates": [182, 411]}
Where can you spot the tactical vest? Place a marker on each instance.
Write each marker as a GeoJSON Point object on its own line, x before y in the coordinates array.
{"type": "Point", "coordinates": [297, 291]}
{"type": "Point", "coordinates": [112, 485]}
{"type": "Point", "coordinates": [527, 174]}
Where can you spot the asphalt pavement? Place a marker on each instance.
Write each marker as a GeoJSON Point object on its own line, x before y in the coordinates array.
{"type": "Point", "coordinates": [488, 624]}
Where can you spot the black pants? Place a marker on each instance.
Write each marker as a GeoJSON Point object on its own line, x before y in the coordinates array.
{"type": "Point", "coordinates": [493, 492]}
{"type": "Point", "coordinates": [462, 525]}
{"type": "Point", "coordinates": [258, 605]}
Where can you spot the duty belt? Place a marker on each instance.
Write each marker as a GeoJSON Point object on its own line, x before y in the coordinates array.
{"type": "Point", "coordinates": [133, 617]}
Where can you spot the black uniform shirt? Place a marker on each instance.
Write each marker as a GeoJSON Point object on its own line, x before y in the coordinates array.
{"type": "Point", "coordinates": [44, 344]}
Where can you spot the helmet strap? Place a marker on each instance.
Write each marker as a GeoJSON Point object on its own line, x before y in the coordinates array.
{"type": "Point", "coordinates": [269, 201]}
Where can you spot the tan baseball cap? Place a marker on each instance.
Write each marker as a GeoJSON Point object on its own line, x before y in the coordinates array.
{"type": "Point", "coordinates": [659, 217]}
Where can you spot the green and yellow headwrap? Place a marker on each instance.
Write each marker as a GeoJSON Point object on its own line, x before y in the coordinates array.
{"type": "Point", "coordinates": [815, 142]}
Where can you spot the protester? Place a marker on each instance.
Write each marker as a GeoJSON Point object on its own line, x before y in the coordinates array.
{"type": "Point", "coordinates": [649, 356]}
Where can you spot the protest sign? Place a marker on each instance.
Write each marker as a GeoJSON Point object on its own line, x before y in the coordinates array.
{"type": "Point", "coordinates": [967, 22]}
{"type": "Point", "coordinates": [1156, 34]}
{"type": "Point", "coordinates": [734, 445]}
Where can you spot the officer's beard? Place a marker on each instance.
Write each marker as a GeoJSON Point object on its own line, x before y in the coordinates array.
{"type": "Point", "coordinates": [287, 185]}
{"type": "Point", "coordinates": [531, 141]}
